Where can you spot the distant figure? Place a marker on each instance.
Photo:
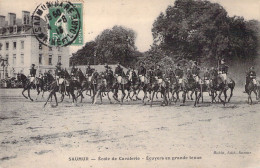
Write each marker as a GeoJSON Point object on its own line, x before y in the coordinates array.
{"type": "Point", "coordinates": [250, 76]}
{"type": "Point", "coordinates": [222, 71]}
{"type": "Point", "coordinates": [119, 73]}
{"type": "Point", "coordinates": [32, 74]}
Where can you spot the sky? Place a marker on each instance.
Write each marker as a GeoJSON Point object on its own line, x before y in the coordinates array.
{"type": "Point", "coordinates": [138, 15]}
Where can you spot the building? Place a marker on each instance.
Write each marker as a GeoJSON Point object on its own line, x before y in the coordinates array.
{"type": "Point", "coordinates": [19, 48]}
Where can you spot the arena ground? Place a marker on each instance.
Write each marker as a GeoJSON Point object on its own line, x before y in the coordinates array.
{"type": "Point", "coordinates": [89, 135]}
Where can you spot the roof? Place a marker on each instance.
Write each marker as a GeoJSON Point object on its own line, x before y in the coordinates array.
{"type": "Point", "coordinates": [4, 31]}
{"type": "Point", "coordinates": [99, 68]}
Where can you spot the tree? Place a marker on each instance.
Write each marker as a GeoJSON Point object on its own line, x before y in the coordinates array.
{"type": "Point", "coordinates": [84, 55]}
{"type": "Point", "coordinates": [202, 31]}
{"type": "Point", "coordinates": [116, 45]}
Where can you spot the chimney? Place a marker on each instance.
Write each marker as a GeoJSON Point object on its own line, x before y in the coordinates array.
{"type": "Point", "coordinates": [11, 19]}
{"type": "Point", "coordinates": [2, 21]}
{"type": "Point", "coordinates": [25, 17]}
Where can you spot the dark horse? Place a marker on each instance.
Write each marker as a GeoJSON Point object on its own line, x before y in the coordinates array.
{"type": "Point", "coordinates": [27, 85]}
{"type": "Point", "coordinates": [217, 84]}
{"type": "Point", "coordinates": [252, 87]}
{"type": "Point", "coordinates": [67, 85]}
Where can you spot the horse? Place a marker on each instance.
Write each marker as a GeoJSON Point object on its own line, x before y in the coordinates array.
{"type": "Point", "coordinates": [252, 87]}
{"type": "Point", "coordinates": [190, 84]}
{"type": "Point", "coordinates": [162, 87]}
{"type": "Point", "coordinates": [103, 83]}
{"type": "Point", "coordinates": [28, 85]}
{"type": "Point", "coordinates": [217, 84]}
{"type": "Point", "coordinates": [67, 86]}
{"type": "Point", "coordinates": [85, 83]}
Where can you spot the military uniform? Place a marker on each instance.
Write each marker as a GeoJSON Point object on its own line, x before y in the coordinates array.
{"type": "Point", "coordinates": [195, 72]}
{"type": "Point", "coordinates": [119, 73]}
{"type": "Point", "coordinates": [89, 72]}
{"type": "Point", "coordinates": [158, 75]}
{"type": "Point", "coordinates": [207, 77]}
{"type": "Point", "coordinates": [250, 76]}
{"type": "Point", "coordinates": [179, 74]}
{"type": "Point", "coordinates": [32, 74]}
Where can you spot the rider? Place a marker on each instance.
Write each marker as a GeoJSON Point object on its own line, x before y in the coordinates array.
{"type": "Point", "coordinates": [179, 73]}
{"type": "Point", "coordinates": [195, 71]}
{"type": "Point", "coordinates": [158, 75]}
{"type": "Point", "coordinates": [59, 75]}
{"type": "Point", "coordinates": [141, 72]}
{"type": "Point", "coordinates": [32, 74]}
{"type": "Point", "coordinates": [73, 72]}
{"type": "Point", "coordinates": [89, 72]}
{"type": "Point", "coordinates": [207, 76]}
{"type": "Point", "coordinates": [119, 73]}
{"type": "Point", "coordinates": [222, 71]}
{"type": "Point", "coordinates": [250, 76]}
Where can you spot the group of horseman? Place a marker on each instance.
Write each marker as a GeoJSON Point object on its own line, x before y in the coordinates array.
{"type": "Point", "coordinates": [192, 72]}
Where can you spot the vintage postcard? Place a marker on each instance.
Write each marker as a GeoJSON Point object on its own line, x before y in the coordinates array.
{"type": "Point", "coordinates": [128, 83]}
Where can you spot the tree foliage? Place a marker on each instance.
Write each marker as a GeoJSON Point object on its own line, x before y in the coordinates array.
{"type": "Point", "coordinates": [201, 30]}
{"type": "Point", "coordinates": [111, 46]}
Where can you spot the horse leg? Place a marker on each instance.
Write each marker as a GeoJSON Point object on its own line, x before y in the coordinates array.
{"type": "Point", "coordinates": [184, 97]}
{"type": "Point", "coordinates": [196, 98]}
{"type": "Point", "coordinates": [225, 94]}
{"type": "Point", "coordinates": [123, 95]}
{"type": "Point", "coordinates": [109, 98]}
{"type": "Point", "coordinates": [23, 93]}
{"type": "Point", "coordinates": [94, 100]}
{"type": "Point", "coordinates": [231, 94]}
{"type": "Point", "coordinates": [101, 95]}
{"type": "Point", "coordinates": [55, 96]}
{"type": "Point", "coordinates": [219, 97]}
{"type": "Point", "coordinates": [152, 98]}
{"type": "Point", "coordinates": [29, 94]}
{"type": "Point", "coordinates": [50, 95]}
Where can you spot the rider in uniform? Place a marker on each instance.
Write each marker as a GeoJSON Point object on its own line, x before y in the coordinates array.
{"type": "Point", "coordinates": [207, 76]}
{"type": "Point", "coordinates": [119, 73]}
{"type": "Point", "coordinates": [59, 75]}
{"type": "Point", "coordinates": [32, 74]}
{"type": "Point", "coordinates": [250, 76]}
{"type": "Point", "coordinates": [158, 75]}
{"type": "Point", "coordinates": [195, 71]}
{"type": "Point", "coordinates": [73, 72]}
{"type": "Point", "coordinates": [89, 72]}
{"type": "Point", "coordinates": [141, 72]}
{"type": "Point", "coordinates": [179, 74]}
{"type": "Point", "coordinates": [222, 71]}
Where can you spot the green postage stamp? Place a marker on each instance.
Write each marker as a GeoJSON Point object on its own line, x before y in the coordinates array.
{"type": "Point", "coordinates": [58, 23]}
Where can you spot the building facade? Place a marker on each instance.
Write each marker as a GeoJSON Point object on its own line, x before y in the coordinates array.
{"type": "Point", "coordinates": [19, 48]}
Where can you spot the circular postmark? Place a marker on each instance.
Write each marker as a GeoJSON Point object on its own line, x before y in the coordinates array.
{"type": "Point", "coordinates": [56, 23]}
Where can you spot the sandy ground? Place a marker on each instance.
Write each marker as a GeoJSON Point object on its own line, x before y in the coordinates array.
{"type": "Point", "coordinates": [32, 136]}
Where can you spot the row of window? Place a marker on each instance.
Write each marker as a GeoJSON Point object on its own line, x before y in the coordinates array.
{"type": "Point", "coordinates": [50, 48]}
{"type": "Point", "coordinates": [22, 46]}
{"type": "Point", "coordinates": [14, 45]}
{"type": "Point", "coordinates": [40, 59]}
{"type": "Point", "coordinates": [49, 59]}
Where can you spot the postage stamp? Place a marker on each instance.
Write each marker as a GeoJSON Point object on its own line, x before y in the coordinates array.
{"type": "Point", "coordinates": [58, 23]}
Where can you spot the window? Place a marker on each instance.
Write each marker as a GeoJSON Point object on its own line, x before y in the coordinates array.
{"type": "Point", "coordinates": [1, 46]}
{"type": "Point", "coordinates": [40, 59]}
{"type": "Point", "coordinates": [50, 49]}
{"type": "Point", "coordinates": [7, 46]}
{"type": "Point", "coordinates": [14, 44]}
{"type": "Point", "coordinates": [22, 59]}
{"type": "Point", "coordinates": [14, 59]}
{"type": "Point", "coordinates": [40, 46]}
{"type": "Point", "coordinates": [22, 44]}
{"type": "Point", "coordinates": [59, 59]}
{"type": "Point", "coordinates": [59, 48]}
{"type": "Point", "coordinates": [7, 57]}
{"type": "Point", "coordinates": [50, 59]}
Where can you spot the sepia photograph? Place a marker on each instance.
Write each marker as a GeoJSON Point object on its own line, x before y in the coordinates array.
{"type": "Point", "coordinates": [129, 84]}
